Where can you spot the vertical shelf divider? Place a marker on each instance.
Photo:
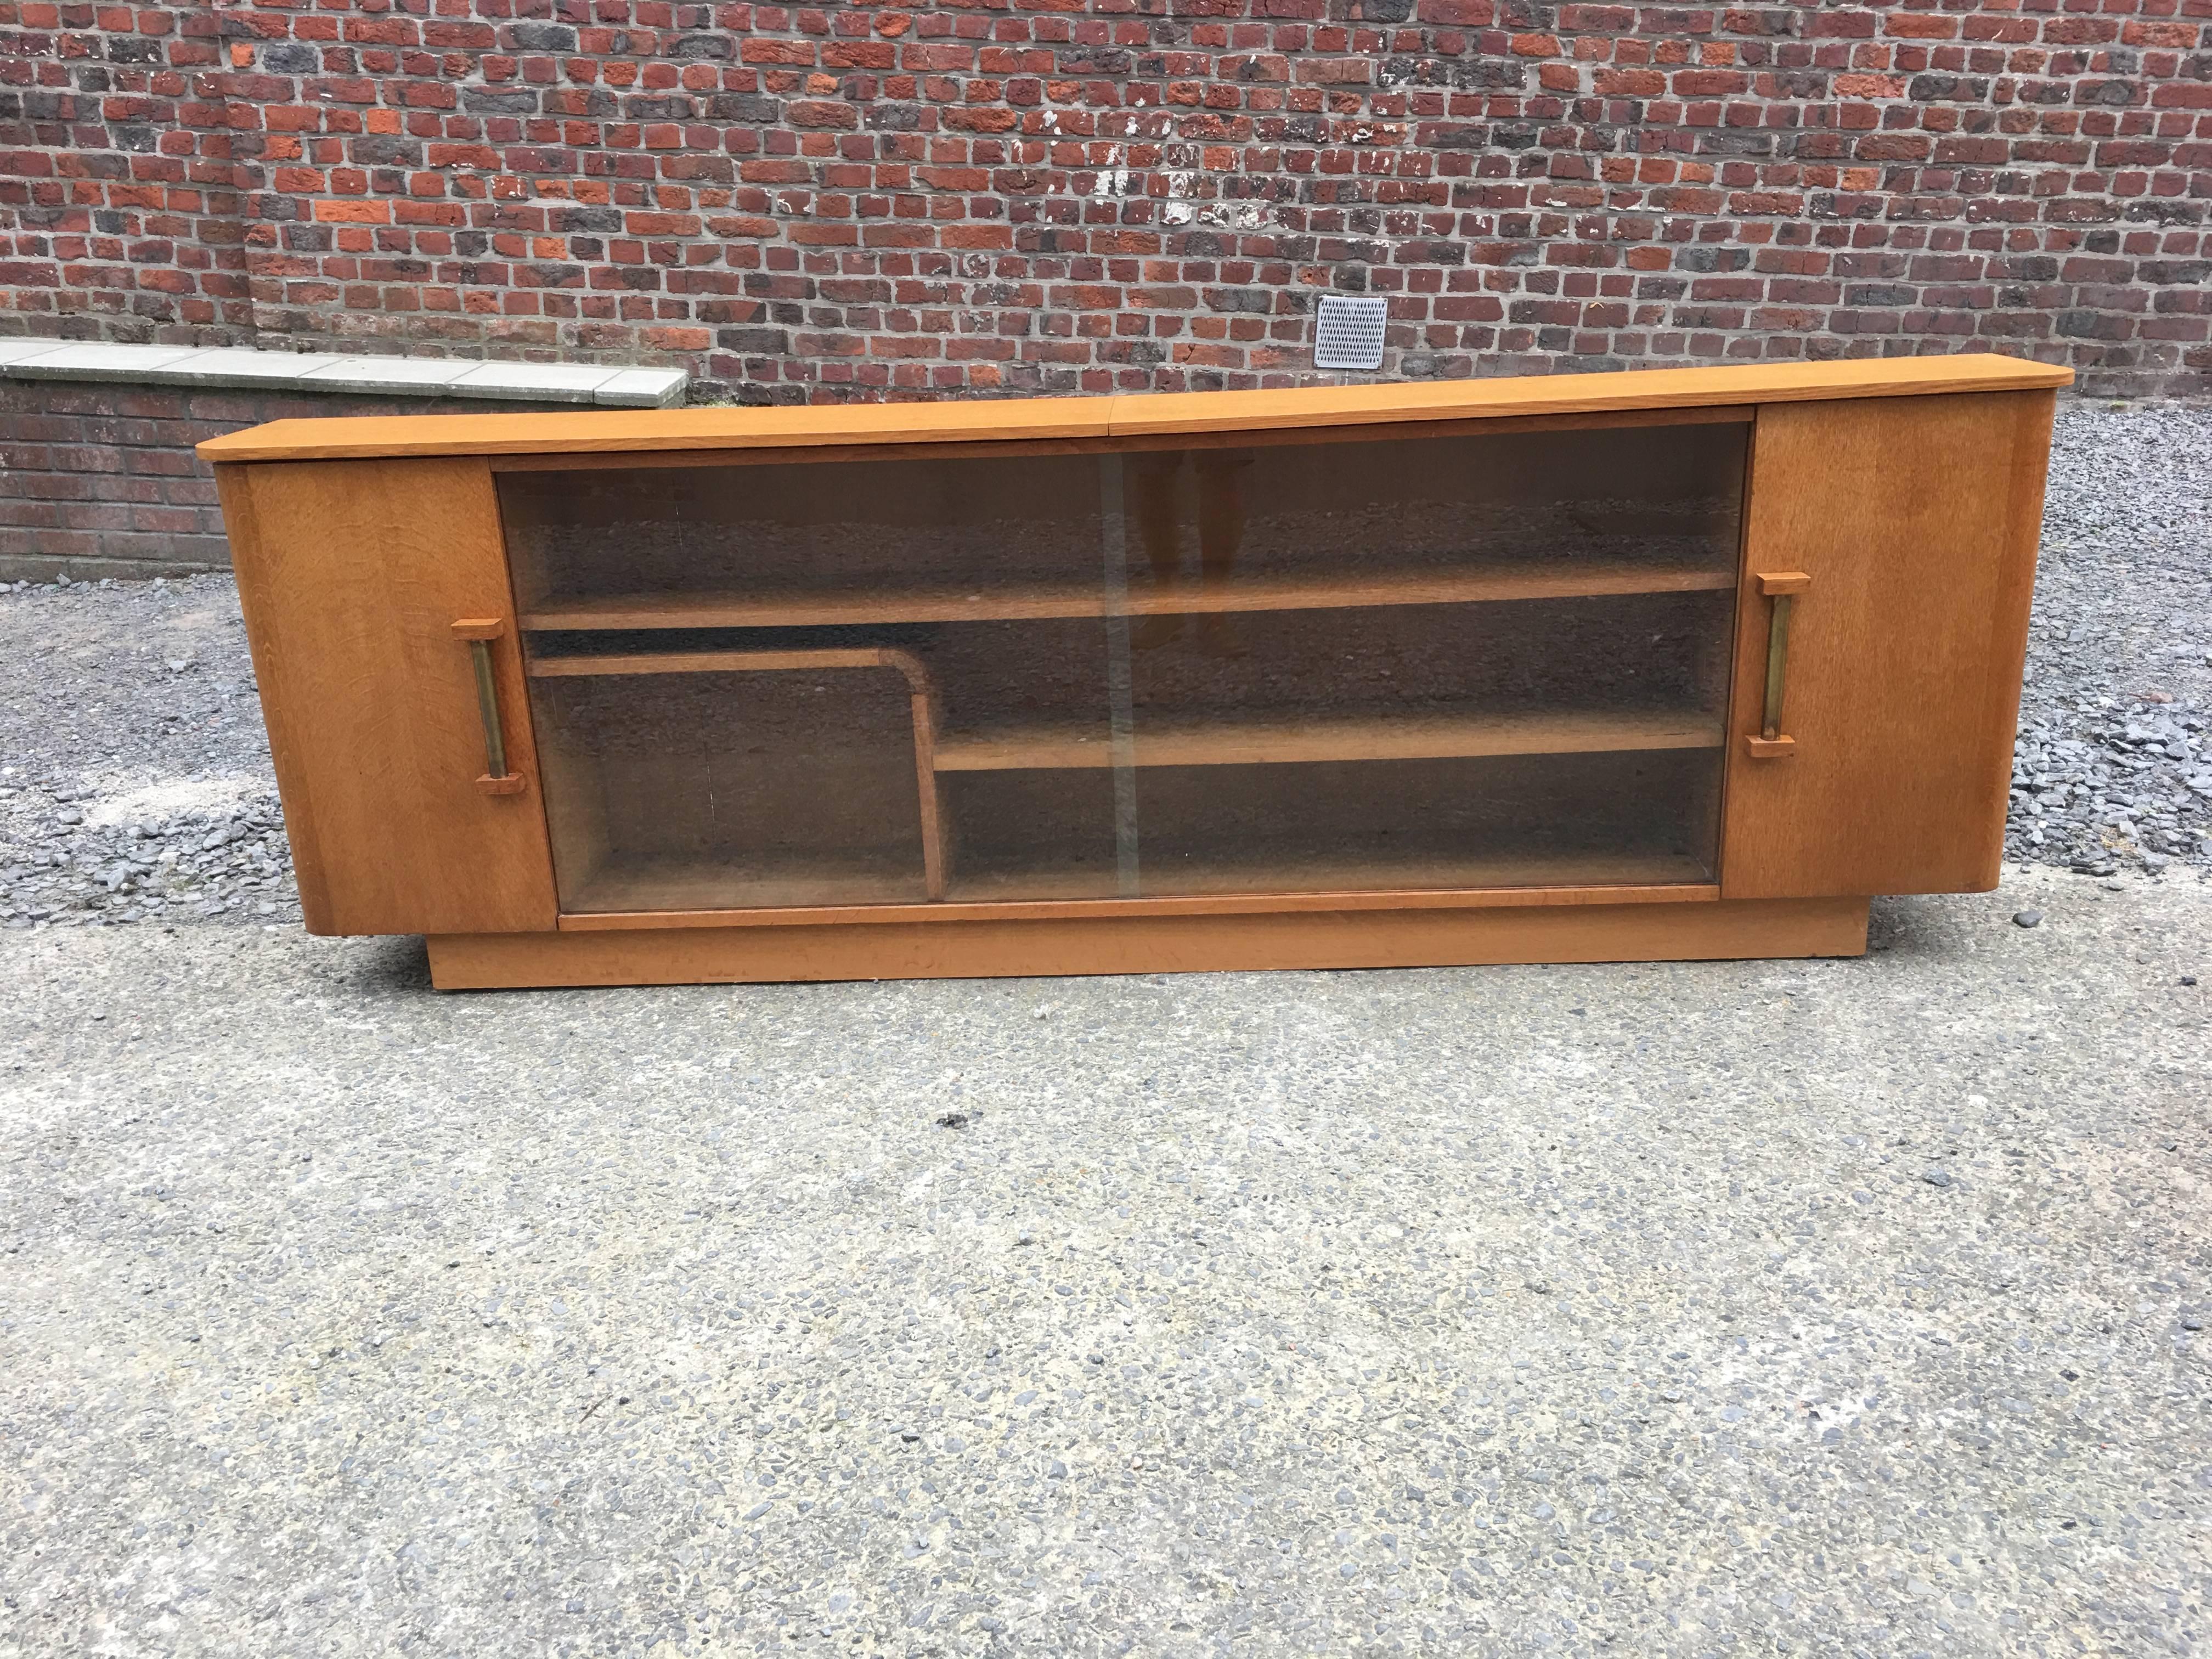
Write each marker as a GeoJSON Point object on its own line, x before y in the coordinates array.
{"type": "Point", "coordinates": [1113, 539]}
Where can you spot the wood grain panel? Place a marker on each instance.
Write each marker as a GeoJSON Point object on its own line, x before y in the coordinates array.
{"type": "Point", "coordinates": [1392, 431]}
{"type": "Point", "coordinates": [604, 431]}
{"type": "Point", "coordinates": [1338, 737]}
{"type": "Point", "coordinates": [1917, 523]}
{"type": "Point", "coordinates": [1153, 415]}
{"type": "Point", "coordinates": [1686, 891]}
{"type": "Point", "coordinates": [681, 892]}
{"type": "Point", "coordinates": [1151, 945]}
{"type": "Point", "coordinates": [1559, 577]}
{"type": "Point", "coordinates": [351, 575]}
{"type": "Point", "coordinates": [1181, 412]}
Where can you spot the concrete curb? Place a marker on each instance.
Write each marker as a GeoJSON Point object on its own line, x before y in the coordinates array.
{"type": "Point", "coordinates": [231, 367]}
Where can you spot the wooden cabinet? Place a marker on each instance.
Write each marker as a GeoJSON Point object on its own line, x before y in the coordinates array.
{"type": "Point", "coordinates": [1675, 664]}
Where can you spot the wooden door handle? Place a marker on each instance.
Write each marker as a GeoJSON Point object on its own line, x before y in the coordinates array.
{"type": "Point", "coordinates": [479, 632]}
{"type": "Point", "coordinates": [1780, 589]}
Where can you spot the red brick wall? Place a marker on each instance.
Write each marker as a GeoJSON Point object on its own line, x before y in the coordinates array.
{"type": "Point", "coordinates": [100, 480]}
{"type": "Point", "coordinates": [1081, 195]}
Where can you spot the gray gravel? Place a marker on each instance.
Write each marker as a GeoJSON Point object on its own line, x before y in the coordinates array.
{"type": "Point", "coordinates": [135, 782]}
{"type": "Point", "coordinates": [2114, 763]}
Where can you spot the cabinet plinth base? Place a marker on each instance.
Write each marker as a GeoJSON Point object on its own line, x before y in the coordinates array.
{"type": "Point", "coordinates": [1153, 945]}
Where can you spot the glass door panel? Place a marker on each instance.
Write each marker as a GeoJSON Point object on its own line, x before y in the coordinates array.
{"type": "Point", "coordinates": [1432, 662]}
{"type": "Point", "coordinates": [1297, 664]}
{"type": "Point", "coordinates": [1547, 820]}
{"type": "Point", "coordinates": [747, 677]}
{"type": "Point", "coordinates": [775, 544]}
{"type": "Point", "coordinates": [1433, 519]}
{"type": "Point", "coordinates": [731, 788]}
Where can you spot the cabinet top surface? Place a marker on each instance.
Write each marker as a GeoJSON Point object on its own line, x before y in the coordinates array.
{"type": "Point", "coordinates": [1148, 414]}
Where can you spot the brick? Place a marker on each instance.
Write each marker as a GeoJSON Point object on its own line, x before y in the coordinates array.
{"type": "Point", "coordinates": [872, 202]}
{"type": "Point", "coordinates": [116, 478]}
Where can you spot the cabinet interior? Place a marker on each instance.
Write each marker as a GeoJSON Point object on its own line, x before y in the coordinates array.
{"type": "Point", "coordinates": [1328, 663]}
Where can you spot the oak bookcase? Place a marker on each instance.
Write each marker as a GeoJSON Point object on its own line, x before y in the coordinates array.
{"type": "Point", "coordinates": [1675, 664]}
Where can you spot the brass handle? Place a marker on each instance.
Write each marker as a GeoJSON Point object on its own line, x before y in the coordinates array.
{"type": "Point", "coordinates": [1781, 589]}
{"type": "Point", "coordinates": [479, 632]}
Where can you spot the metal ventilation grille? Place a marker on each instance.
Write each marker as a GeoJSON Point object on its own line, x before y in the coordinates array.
{"type": "Point", "coordinates": [1350, 333]}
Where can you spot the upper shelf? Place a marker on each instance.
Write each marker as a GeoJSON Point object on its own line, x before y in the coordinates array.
{"type": "Point", "coordinates": [1161, 415]}
{"type": "Point", "coordinates": [1521, 580]}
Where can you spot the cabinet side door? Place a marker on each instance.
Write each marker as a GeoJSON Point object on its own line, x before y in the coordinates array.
{"type": "Point", "coordinates": [1916, 520]}
{"type": "Point", "coordinates": [352, 575]}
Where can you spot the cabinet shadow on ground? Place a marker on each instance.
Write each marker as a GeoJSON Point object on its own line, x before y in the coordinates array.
{"type": "Point", "coordinates": [390, 964]}
{"type": "Point", "coordinates": [1923, 927]}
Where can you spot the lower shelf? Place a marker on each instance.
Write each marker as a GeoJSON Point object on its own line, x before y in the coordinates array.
{"type": "Point", "coordinates": [953, 949]}
{"type": "Point", "coordinates": [1164, 879]}
{"type": "Point", "coordinates": [681, 886]}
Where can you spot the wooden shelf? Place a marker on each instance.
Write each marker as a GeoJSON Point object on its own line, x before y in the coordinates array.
{"type": "Point", "coordinates": [729, 662]}
{"type": "Point", "coordinates": [671, 883]}
{"type": "Point", "coordinates": [1727, 392]}
{"type": "Point", "coordinates": [1295, 874]}
{"type": "Point", "coordinates": [1553, 579]}
{"type": "Point", "coordinates": [673, 893]}
{"type": "Point", "coordinates": [1373, 737]}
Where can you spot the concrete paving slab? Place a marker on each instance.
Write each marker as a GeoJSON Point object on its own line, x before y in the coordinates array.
{"type": "Point", "coordinates": [574, 383]}
{"type": "Point", "coordinates": [19, 347]}
{"type": "Point", "coordinates": [93, 362]}
{"type": "Point", "coordinates": [388, 374]}
{"type": "Point", "coordinates": [238, 366]}
{"type": "Point", "coordinates": [642, 388]}
{"type": "Point", "coordinates": [233, 367]}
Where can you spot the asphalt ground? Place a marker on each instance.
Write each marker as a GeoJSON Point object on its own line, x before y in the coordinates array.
{"type": "Point", "coordinates": [1812, 1307]}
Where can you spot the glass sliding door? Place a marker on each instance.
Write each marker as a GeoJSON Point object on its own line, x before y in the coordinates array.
{"type": "Point", "coordinates": [1295, 662]}
{"type": "Point", "coordinates": [746, 679]}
